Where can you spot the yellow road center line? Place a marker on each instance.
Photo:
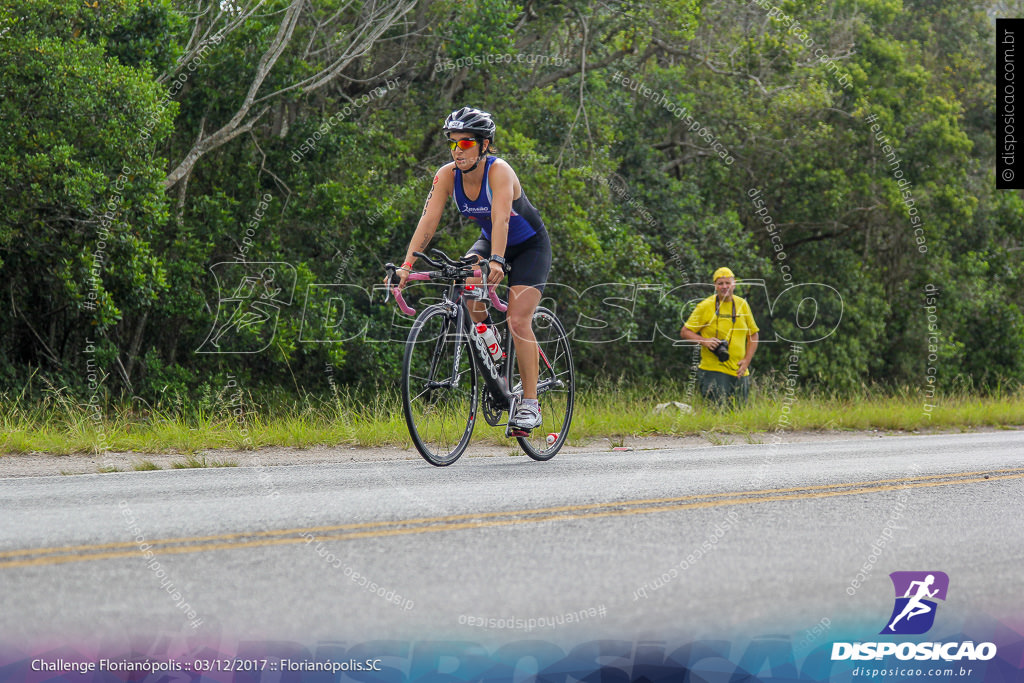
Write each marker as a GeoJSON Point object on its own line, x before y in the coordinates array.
{"type": "Point", "coordinates": [485, 515]}
{"type": "Point", "coordinates": [525, 517]}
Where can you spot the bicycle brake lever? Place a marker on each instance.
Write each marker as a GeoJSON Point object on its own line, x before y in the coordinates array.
{"type": "Point", "coordinates": [390, 269]}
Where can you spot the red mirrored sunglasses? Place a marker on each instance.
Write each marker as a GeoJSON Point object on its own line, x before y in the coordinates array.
{"type": "Point", "coordinates": [464, 144]}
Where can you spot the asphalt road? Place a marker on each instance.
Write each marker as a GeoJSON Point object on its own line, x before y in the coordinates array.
{"type": "Point", "coordinates": [756, 537]}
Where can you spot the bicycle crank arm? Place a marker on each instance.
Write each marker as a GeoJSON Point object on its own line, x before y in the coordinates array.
{"type": "Point", "coordinates": [545, 385]}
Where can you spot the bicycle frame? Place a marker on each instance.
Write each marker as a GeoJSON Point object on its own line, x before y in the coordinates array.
{"type": "Point", "coordinates": [454, 304]}
{"type": "Point", "coordinates": [494, 378]}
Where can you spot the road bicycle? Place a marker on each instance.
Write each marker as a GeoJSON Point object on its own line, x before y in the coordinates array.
{"type": "Point", "coordinates": [445, 359]}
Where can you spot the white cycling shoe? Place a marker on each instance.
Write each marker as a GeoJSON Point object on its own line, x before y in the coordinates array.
{"type": "Point", "coordinates": [527, 416]}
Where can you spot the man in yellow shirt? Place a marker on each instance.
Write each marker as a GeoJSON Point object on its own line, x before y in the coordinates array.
{"type": "Point", "coordinates": [724, 327]}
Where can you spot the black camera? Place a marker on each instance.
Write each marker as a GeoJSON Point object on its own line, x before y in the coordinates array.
{"type": "Point", "coordinates": [721, 351]}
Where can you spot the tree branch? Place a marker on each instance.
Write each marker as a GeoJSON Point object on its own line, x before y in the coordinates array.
{"type": "Point", "coordinates": [235, 127]}
{"type": "Point", "coordinates": [575, 69]}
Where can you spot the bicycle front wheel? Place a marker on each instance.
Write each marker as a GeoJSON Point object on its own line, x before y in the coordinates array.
{"type": "Point", "coordinates": [556, 386]}
{"type": "Point", "coordinates": [439, 387]}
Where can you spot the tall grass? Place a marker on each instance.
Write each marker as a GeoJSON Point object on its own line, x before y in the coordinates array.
{"type": "Point", "coordinates": [58, 424]}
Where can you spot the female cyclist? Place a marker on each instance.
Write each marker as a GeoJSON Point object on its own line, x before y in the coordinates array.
{"type": "Point", "coordinates": [487, 191]}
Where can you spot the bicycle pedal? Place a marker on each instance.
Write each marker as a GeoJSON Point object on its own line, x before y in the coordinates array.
{"type": "Point", "coordinates": [514, 433]}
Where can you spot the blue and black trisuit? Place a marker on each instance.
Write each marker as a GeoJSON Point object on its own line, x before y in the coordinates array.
{"type": "Point", "coordinates": [528, 250]}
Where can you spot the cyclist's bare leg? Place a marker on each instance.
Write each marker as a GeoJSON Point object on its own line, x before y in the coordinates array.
{"type": "Point", "coordinates": [522, 302]}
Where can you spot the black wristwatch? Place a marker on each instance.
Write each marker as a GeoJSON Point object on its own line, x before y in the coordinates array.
{"type": "Point", "coordinates": [500, 260]}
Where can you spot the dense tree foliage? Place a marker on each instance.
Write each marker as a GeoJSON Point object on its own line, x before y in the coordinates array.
{"type": "Point", "coordinates": [192, 188]}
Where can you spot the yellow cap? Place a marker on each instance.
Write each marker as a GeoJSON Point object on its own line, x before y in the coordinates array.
{"type": "Point", "coordinates": [722, 272]}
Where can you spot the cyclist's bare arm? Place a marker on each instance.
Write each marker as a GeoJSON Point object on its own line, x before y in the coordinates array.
{"type": "Point", "coordinates": [442, 188]}
{"type": "Point", "coordinates": [502, 180]}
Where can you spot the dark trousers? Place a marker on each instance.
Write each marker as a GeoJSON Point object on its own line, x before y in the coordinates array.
{"type": "Point", "coordinates": [720, 388]}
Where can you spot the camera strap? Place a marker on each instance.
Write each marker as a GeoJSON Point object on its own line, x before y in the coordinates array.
{"type": "Point", "coordinates": [718, 306]}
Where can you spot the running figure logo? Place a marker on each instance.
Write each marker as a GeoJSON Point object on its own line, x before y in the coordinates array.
{"type": "Point", "coordinates": [914, 611]}
{"type": "Point", "coordinates": [247, 317]}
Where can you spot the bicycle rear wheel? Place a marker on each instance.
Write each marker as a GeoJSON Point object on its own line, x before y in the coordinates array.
{"type": "Point", "coordinates": [439, 387]}
{"type": "Point", "coordinates": [556, 386]}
